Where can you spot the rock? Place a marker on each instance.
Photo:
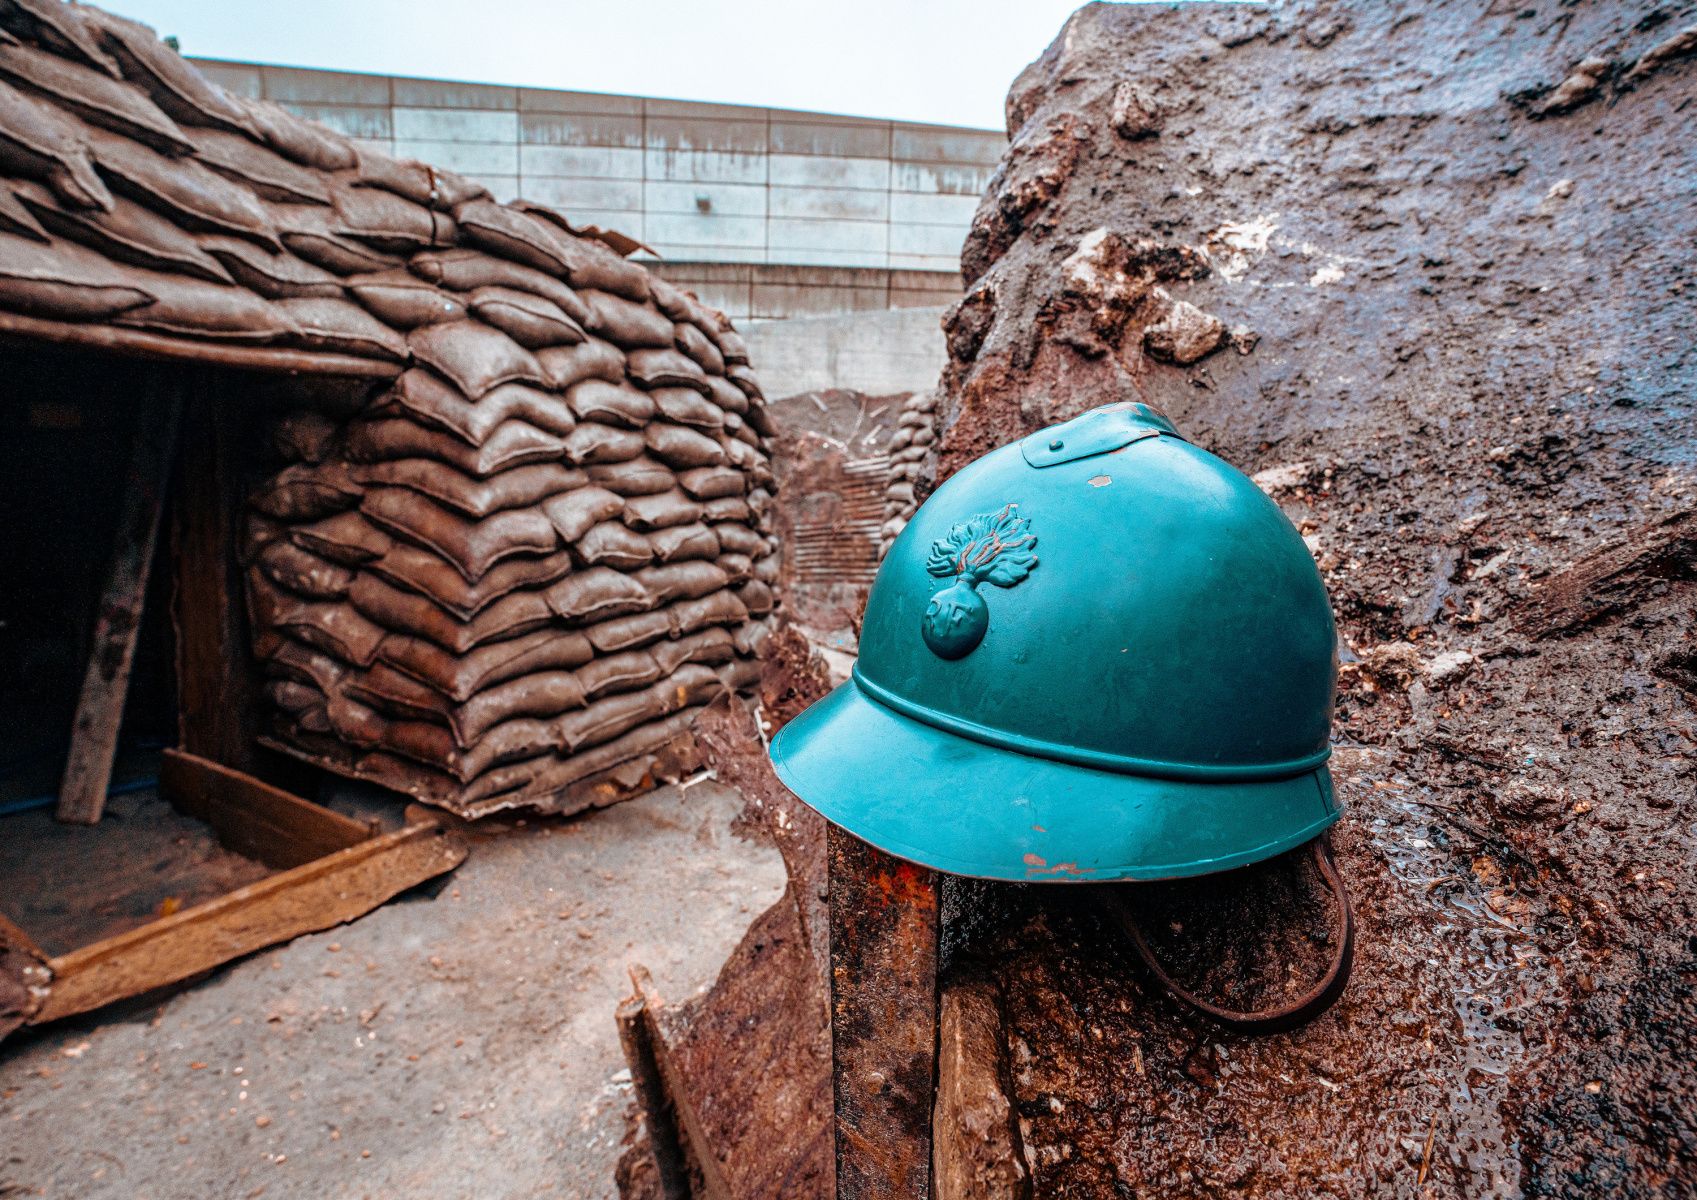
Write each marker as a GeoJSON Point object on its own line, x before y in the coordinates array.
{"type": "Point", "coordinates": [976, 1146]}
{"type": "Point", "coordinates": [1135, 115]}
{"type": "Point", "coordinates": [1448, 667]}
{"type": "Point", "coordinates": [1577, 87]}
{"type": "Point", "coordinates": [1286, 475]}
{"type": "Point", "coordinates": [1395, 663]}
{"type": "Point", "coordinates": [1187, 334]}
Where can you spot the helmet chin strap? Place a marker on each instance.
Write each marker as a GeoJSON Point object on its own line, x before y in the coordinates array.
{"type": "Point", "coordinates": [1275, 1020]}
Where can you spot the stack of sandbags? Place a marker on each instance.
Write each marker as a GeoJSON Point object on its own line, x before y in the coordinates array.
{"type": "Point", "coordinates": [543, 543]}
{"type": "Point", "coordinates": [915, 431]}
{"type": "Point", "coordinates": [538, 551]}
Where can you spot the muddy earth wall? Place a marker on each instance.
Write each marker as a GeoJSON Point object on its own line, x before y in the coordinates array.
{"type": "Point", "coordinates": [1425, 271]}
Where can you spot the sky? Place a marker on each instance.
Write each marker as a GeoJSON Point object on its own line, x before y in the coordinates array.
{"type": "Point", "coordinates": [945, 62]}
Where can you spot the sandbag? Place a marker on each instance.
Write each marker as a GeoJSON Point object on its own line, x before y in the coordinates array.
{"type": "Point", "coordinates": [710, 483]}
{"type": "Point", "coordinates": [756, 597]}
{"type": "Point", "coordinates": [433, 401]}
{"type": "Point", "coordinates": [595, 443]}
{"type": "Point", "coordinates": [306, 492]}
{"type": "Point", "coordinates": [684, 542]}
{"type": "Point", "coordinates": [303, 573]}
{"type": "Point", "coordinates": [424, 572]}
{"type": "Point", "coordinates": [740, 539]}
{"type": "Point", "coordinates": [725, 508]}
{"type": "Point", "coordinates": [422, 741]}
{"type": "Point", "coordinates": [684, 406]}
{"type": "Point", "coordinates": [300, 140]}
{"type": "Point", "coordinates": [511, 235]}
{"type": "Point", "coordinates": [64, 28]}
{"type": "Point", "coordinates": [719, 608]}
{"type": "Point", "coordinates": [611, 543]}
{"type": "Point", "coordinates": [509, 741]}
{"type": "Point", "coordinates": [710, 646]}
{"type": "Point", "coordinates": [664, 369]}
{"type": "Point", "coordinates": [182, 189]}
{"type": "Point", "coordinates": [39, 142]}
{"type": "Point", "coordinates": [240, 159]}
{"type": "Point", "coordinates": [128, 233]}
{"type": "Point", "coordinates": [404, 302]}
{"type": "Point", "coordinates": [512, 616]}
{"type": "Point", "coordinates": [607, 719]}
{"type": "Point", "coordinates": [529, 320]}
{"type": "Point", "coordinates": [64, 283]}
{"type": "Point", "coordinates": [760, 502]}
{"type": "Point", "coordinates": [733, 347]}
{"type": "Point", "coordinates": [750, 638]}
{"type": "Point", "coordinates": [397, 694]}
{"type": "Point", "coordinates": [274, 276]}
{"type": "Point", "coordinates": [679, 581]}
{"type": "Point", "coordinates": [421, 183]}
{"type": "Point", "coordinates": [669, 298]}
{"type": "Point", "coordinates": [309, 231]}
{"type": "Point", "coordinates": [766, 569]}
{"type": "Point", "coordinates": [189, 308]}
{"type": "Point", "coordinates": [738, 568]}
{"type": "Point", "coordinates": [343, 328]}
{"type": "Point", "coordinates": [597, 594]}
{"type": "Point", "coordinates": [726, 395]}
{"type": "Point", "coordinates": [744, 378]}
{"type": "Point", "coordinates": [624, 633]}
{"type": "Point", "coordinates": [292, 697]}
{"type": "Point", "coordinates": [303, 664]}
{"type": "Point", "coordinates": [681, 448]}
{"type": "Point", "coordinates": [173, 84]}
{"type": "Point", "coordinates": [520, 487]}
{"type": "Point", "coordinates": [619, 405]}
{"type": "Point", "coordinates": [258, 532]}
{"type": "Point", "coordinates": [346, 538]}
{"type": "Point", "coordinates": [389, 222]}
{"type": "Point", "coordinates": [468, 270]}
{"type": "Point", "coordinates": [618, 673]}
{"type": "Point", "coordinates": [543, 694]}
{"type": "Point", "coordinates": [740, 675]}
{"type": "Point", "coordinates": [474, 357]}
{"type": "Point", "coordinates": [640, 476]}
{"type": "Point", "coordinates": [628, 326]}
{"type": "Point", "coordinates": [757, 418]}
{"type": "Point", "coordinates": [513, 443]}
{"type": "Point", "coordinates": [647, 513]}
{"type": "Point", "coordinates": [563, 366]}
{"type": "Point", "coordinates": [592, 265]}
{"type": "Point", "coordinates": [459, 677]}
{"type": "Point", "coordinates": [698, 347]}
{"type": "Point", "coordinates": [573, 514]}
{"type": "Point", "coordinates": [472, 547]}
{"type": "Point", "coordinates": [337, 629]}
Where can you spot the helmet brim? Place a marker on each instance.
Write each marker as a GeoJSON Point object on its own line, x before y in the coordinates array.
{"type": "Point", "coordinates": [960, 806]}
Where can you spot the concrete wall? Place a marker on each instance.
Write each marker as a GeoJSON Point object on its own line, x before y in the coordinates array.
{"type": "Point", "coordinates": [700, 183]}
{"type": "Point", "coordinates": [878, 353]}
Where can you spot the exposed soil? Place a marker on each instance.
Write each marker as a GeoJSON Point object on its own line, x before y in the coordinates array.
{"type": "Point", "coordinates": [1426, 272]}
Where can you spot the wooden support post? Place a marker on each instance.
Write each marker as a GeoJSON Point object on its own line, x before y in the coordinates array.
{"type": "Point", "coordinates": [100, 710]}
{"type": "Point", "coordinates": [885, 931]}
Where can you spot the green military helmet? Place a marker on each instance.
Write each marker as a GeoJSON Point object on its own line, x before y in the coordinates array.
{"type": "Point", "coordinates": [1097, 654]}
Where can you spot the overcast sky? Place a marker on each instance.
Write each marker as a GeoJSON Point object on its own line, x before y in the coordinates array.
{"type": "Point", "coordinates": [946, 62]}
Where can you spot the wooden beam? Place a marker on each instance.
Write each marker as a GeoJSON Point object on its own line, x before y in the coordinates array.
{"type": "Point", "coordinates": [325, 892]}
{"type": "Point", "coordinates": [100, 710]}
{"type": "Point", "coordinates": [885, 929]}
{"type": "Point", "coordinates": [24, 976]}
{"type": "Point", "coordinates": [658, 1112]}
{"type": "Point", "coordinates": [253, 818]}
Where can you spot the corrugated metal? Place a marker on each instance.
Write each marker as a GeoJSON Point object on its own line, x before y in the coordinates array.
{"type": "Point", "coordinates": [844, 549]}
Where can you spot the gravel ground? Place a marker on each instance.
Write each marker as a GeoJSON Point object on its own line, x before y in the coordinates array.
{"type": "Point", "coordinates": [457, 1042]}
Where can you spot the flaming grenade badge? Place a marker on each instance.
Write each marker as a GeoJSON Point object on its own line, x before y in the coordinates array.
{"type": "Point", "coordinates": [994, 546]}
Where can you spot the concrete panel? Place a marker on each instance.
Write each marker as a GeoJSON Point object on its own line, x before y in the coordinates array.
{"type": "Point", "coordinates": [935, 178]}
{"type": "Point", "coordinates": [937, 143]}
{"type": "Point", "coordinates": [700, 110]}
{"type": "Point", "coordinates": [688, 251]}
{"type": "Point", "coordinates": [858, 236]}
{"type": "Point", "coordinates": [725, 199]}
{"type": "Point", "coordinates": [918, 208]}
{"type": "Point", "coordinates": [794, 170]}
{"type": "Point", "coordinates": [456, 125]}
{"type": "Point", "coordinates": [704, 229]}
{"type": "Point", "coordinates": [504, 188]}
{"type": "Point", "coordinates": [348, 120]}
{"type": "Point", "coordinates": [839, 204]}
{"type": "Point", "coordinates": [439, 93]}
{"type": "Point", "coordinates": [609, 195]}
{"type": "Point", "coordinates": [924, 297]}
{"type": "Point", "coordinates": [843, 258]}
{"type": "Point", "coordinates": [779, 301]}
{"type": "Point", "coordinates": [879, 353]}
{"type": "Point", "coordinates": [681, 166]}
{"type": "Point", "coordinates": [296, 85]}
{"type": "Point", "coordinates": [468, 158]}
{"type": "Point", "coordinates": [581, 162]}
{"type": "Point", "coordinates": [926, 239]}
{"type": "Point", "coordinates": [580, 129]}
{"type": "Point", "coordinates": [686, 133]}
{"type": "Point", "coordinates": [946, 283]}
{"type": "Point", "coordinates": [926, 262]}
{"type": "Point", "coordinates": [241, 79]}
{"type": "Point", "coordinates": [628, 223]}
{"type": "Point", "coordinates": [543, 100]}
{"type": "Point", "coordinates": [862, 139]}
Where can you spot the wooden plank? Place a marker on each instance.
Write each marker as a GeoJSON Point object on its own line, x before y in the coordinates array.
{"type": "Point", "coordinates": [24, 974]}
{"type": "Point", "coordinates": [713, 1181]}
{"type": "Point", "coordinates": [253, 818]}
{"type": "Point", "coordinates": [218, 697]}
{"type": "Point", "coordinates": [325, 892]}
{"type": "Point", "coordinates": [136, 342]}
{"type": "Point", "coordinates": [100, 710]}
{"type": "Point", "coordinates": [658, 1114]}
{"type": "Point", "coordinates": [885, 927]}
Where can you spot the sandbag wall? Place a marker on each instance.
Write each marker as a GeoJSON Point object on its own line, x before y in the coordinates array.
{"type": "Point", "coordinates": [545, 540]}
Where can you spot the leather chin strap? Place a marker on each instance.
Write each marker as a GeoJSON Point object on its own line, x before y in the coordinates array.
{"type": "Point", "coordinates": [1275, 1020]}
